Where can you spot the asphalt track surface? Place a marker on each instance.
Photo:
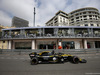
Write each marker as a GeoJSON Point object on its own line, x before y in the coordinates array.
{"type": "Point", "coordinates": [20, 65]}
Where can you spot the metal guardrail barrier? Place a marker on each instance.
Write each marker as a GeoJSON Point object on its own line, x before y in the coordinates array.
{"type": "Point", "coordinates": [67, 51]}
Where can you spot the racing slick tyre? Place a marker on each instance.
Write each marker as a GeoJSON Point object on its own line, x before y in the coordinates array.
{"type": "Point", "coordinates": [74, 59]}
{"type": "Point", "coordinates": [34, 61]}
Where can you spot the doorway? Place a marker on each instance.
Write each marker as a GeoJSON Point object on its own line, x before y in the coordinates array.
{"type": "Point", "coordinates": [97, 44]}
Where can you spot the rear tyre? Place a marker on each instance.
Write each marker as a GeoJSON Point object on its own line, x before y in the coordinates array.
{"type": "Point", "coordinates": [73, 59]}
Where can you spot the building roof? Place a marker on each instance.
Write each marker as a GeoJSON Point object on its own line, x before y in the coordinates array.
{"type": "Point", "coordinates": [56, 15]}
{"type": "Point", "coordinates": [83, 8]}
{"type": "Point", "coordinates": [61, 12]}
{"type": "Point", "coordinates": [50, 27]}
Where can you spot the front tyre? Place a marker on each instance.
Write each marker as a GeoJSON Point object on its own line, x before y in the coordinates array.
{"type": "Point", "coordinates": [34, 62]}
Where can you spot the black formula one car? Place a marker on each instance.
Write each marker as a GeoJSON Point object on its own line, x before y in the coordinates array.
{"type": "Point", "coordinates": [52, 57]}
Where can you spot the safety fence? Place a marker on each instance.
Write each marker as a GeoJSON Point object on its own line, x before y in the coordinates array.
{"type": "Point", "coordinates": [67, 51]}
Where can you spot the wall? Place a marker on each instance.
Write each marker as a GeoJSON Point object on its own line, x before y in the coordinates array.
{"type": "Point", "coordinates": [3, 44]}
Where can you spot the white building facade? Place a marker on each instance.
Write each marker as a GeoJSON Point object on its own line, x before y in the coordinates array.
{"type": "Point", "coordinates": [81, 17]}
{"type": "Point", "coordinates": [60, 19]}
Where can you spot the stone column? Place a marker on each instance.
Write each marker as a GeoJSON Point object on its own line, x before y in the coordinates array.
{"type": "Point", "coordinates": [33, 44]}
{"type": "Point", "coordinates": [59, 43]}
{"type": "Point", "coordinates": [9, 44]}
{"type": "Point", "coordinates": [85, 44]}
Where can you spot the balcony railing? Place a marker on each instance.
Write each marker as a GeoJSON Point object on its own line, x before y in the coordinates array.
{"type": "Point", "coordinates": [30, 36]}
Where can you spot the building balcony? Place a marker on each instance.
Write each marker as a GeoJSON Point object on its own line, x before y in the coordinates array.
{"type": "Point", "coordinates": [31, 36]}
